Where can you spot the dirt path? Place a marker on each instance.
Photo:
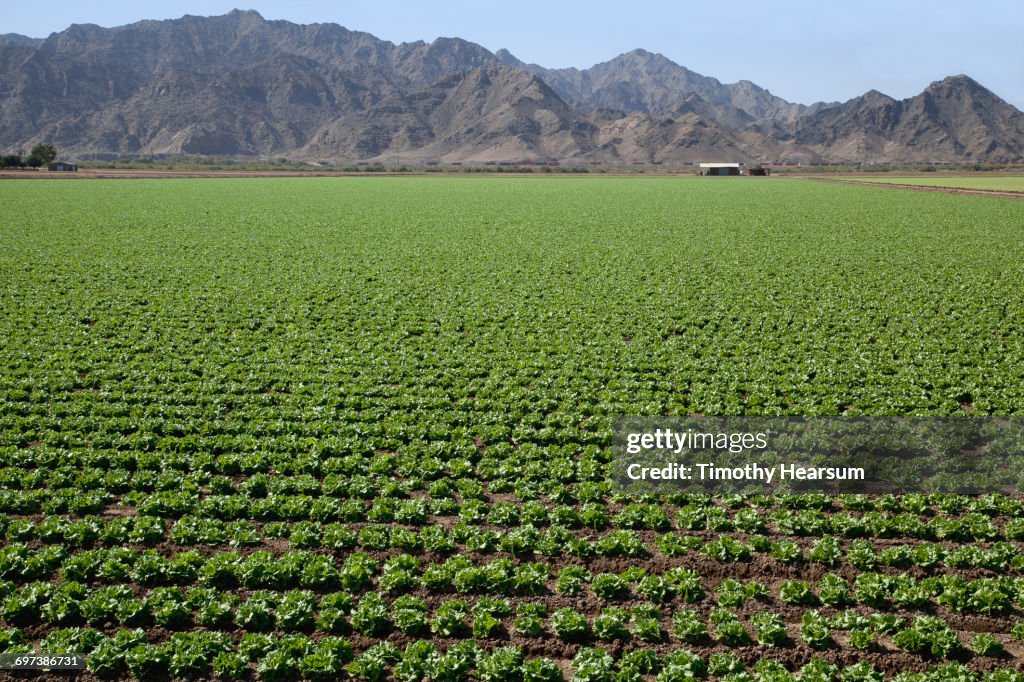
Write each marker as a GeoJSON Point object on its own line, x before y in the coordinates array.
{"type": "Point", "coordinates": [922, 188]}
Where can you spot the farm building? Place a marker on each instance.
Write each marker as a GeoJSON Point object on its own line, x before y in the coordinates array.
{"type": "Point", "coordinates": [720, 169]}
{"type": "Point", "coordinates": [62, 166]}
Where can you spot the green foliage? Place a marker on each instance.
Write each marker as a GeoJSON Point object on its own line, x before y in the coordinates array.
{"type": "Point", "coordinates": [861, 671]}
{"type": "Point", "coordinates": [797, 592]}
{"type": "Point", "coordinates": [256, 614]}
{"type": "Point", "coordinates": [834, 591]}
{"type": "Point", "coordinates": [730, 631]}
{"type": "Point", "coordinates": [592, 665]}
{"type": "Point", "coordinates": [327, 660]}
{"type": "Point", "coordinates": [655, 588]}
{"type": "Point", "coordinates": [863, 639]}
{"type": "Point", "coordinates": [504, 664]}
{"type": "Point", "coordinates": [609, 586]}
{"type": "Point", "coordinates": [44, 152]}
{"type": "Point", "coordinates": [295, 611]}
{"type": "Point", "coordinates": [612, 624]}
{"type": "Point", "coordinates": [872, 589]}
{"type": "Point", "coordinates": [415, 659]}
{"type": "Point", "coordinates": [530, 619]}
{"type": "Point", "coordinates": [686, 584]}
{"type": "Point", "coordinates": [826, 551]}
{"type": "Point", "coordinates": [541, 670]}
{"type": "Point", "coordinates": [682, 664]}
{"type": "Point", "coordinates": [648, 629]}
{"type": "Point", "coordinates": [771, 629]}
{"type": "Point", "coordinates": [221, 401]}
{"type": "Point", "coordinates": [768, 670]}
{"type": "Point", "coordinates": [818, 670]}
{"type": "Point", "coordinates": [455, 664]}
{"type": "Point", "coordinates": [928, 635]}
{"type": "Point", "coordinates": [230, 666]}
{"type": "Point", "coordinates": [722, 663]}
{"type": "Point", "coordinates": [786, 551]}
{"type": "Point", "coordinates": [689, 626]}
{"type": "Point", "coordinates": [486, 622]}
{"type": "Point", "coordinates": [373, 664]}
{"type": "Point", "coordinates": [731, 593]}
{"type": "Point", "coordinates": [409, 614]}
{"type": "Point", "coordinates": [450, 619]}
{"type": "Point", "coordinates": [726, 548]}
{"type": "Point", "coordinates": [644, 661]}
{"type": "Point", "coordinates": [569, 625]}
{"type": "Point", "coordinates": [370, 616]}
{"type": "Point", "coordinates": [814, 630]}
{"type": "Point", "coordinates": [861, 554]}
{"type": "Point", "coordinates": [571, 580]}
{"type": "Point", "coordinates": [985, 644]}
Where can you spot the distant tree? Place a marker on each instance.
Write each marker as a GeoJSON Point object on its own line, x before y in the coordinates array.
{"type": "Point", "coordinates": [34, 161]}
{"type": "Point", "coordinates": [43, 151]}
{"type": "Point", "coordinates": [12, 161]}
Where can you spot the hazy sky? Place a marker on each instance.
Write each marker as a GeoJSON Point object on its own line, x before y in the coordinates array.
{"type": "Point", "coordinates": [803, 51]}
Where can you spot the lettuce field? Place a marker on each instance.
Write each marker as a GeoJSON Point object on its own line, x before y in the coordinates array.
{"type": "Point", "coordinates": [307, 428]}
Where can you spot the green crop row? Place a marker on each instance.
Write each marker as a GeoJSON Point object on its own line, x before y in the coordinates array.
{"type": "Point", "coordinates": [291, 657]}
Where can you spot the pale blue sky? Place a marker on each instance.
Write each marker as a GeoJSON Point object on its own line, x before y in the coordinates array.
{"type": "Point", "coordinates": [803, 51]}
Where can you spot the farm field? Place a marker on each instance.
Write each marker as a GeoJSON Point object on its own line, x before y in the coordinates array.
{"type": "Point", "coordinates": [319, 428]}
{"type": "Point", "coordinates": [999, 183]}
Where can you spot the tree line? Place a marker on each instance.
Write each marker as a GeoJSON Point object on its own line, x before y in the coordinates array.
{"type": "Point", "coordinates": [40, 155]}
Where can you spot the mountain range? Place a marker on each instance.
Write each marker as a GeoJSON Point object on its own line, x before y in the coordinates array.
{"type": "Point", "coordinates": [241, 85]}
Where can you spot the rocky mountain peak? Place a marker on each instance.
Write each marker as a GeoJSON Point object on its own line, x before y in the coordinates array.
{"type": "Point", "coordinates": [240, 84]}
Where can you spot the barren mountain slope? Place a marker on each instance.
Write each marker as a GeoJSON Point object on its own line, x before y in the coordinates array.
{"type": "Point", "coordinates": [238, 84]}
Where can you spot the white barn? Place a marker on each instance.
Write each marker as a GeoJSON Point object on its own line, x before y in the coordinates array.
{"type": "Point", "coordinates": [720, 168]}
